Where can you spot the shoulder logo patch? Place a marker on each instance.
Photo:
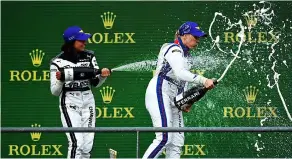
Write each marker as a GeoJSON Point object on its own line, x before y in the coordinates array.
{"type": "Point", "coordinates": [176, 50]}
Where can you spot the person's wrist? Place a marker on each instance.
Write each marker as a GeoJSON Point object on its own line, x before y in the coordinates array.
{"type": "Point", "coordinates": [59, 82]}
{"type": "Point", "coordinates": [103, 77]}
{"type": "Point", "coordinates": [202, 79]}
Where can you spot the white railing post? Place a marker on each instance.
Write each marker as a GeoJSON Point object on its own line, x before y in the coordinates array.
{"type": "Point", "coordinates": [138, 145]}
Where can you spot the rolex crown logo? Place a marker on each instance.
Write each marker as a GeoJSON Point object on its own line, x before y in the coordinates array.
{"type": "Point", "coordinates": [251, 20]}
{"type": "Point", "coordinates": [35, 136]}
{"type": "Point", "coordinates": [37, 57]}
{"type": "Point", "coordinates": [107, 94]}
{"type": "Point", "coordinates": [108, 19]}
{"type": "Point", "coordinates": [200, 72]}
{"type": "Point", "coordinates": [250, 94]}
{"type": "Point", "coordinates": [113, 154]}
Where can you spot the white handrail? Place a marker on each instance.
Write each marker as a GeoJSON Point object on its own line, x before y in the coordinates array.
{"type": "Point", "coordinates": [147, 129]}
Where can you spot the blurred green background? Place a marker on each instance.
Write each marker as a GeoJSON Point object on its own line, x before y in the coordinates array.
{"type": "Point", "coordinates": [26, 97]}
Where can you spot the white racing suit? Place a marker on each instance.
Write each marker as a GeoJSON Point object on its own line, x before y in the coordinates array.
{"type": "Point", "coordinates": [77, 103]}
{"type": "Point", "coordinates": [172, 73]}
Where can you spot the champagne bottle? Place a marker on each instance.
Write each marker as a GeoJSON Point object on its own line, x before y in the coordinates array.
{"type": "Point", "coordinates": [190, 96]}
{"type": "Point", "coordinates": [78, 73]}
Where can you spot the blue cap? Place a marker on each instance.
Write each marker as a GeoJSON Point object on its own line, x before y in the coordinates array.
{"type": "Point", "coordinates": [75, 33]}
{"type": "Point", "coordinates": [191, 28]}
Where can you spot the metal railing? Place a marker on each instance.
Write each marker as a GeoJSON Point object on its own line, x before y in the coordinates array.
{"type": "Point", "coordinates": [144, 129]}
{"type": "Point", "coordinates": [147, 129]}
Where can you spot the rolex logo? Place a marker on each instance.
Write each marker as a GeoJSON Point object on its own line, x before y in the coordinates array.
{"type": "Point", "coordinates": [251, 20]}
{"type": "Point", "coordinates": [250, 94]}
{"type": "Point", "coordinates": [35, 136]}
{"type": "Point", "coordinates": [199, 72]}
{"type": "Point", "coordinates": [37, 57]}
{"type": "Point", "coordinates": [107, 94]}
{"type": "Point", "coordinates": [108, 19]}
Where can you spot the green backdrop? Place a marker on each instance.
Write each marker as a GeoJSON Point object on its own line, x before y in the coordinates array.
{"type": "Point", "coordinates": [136, 34]}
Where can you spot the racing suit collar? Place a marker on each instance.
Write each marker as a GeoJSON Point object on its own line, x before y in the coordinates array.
{"type": "Point", "coordinates": [185, 48]}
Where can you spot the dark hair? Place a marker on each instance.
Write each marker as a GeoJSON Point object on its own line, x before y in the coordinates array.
{"type": "Point", "coordinates": [68, 47]}
{"type": "Point", "coordinates": [69, 50]}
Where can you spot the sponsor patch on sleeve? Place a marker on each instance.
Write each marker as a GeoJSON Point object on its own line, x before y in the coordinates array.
{"type": "Point", "coordinates": [176, 50]}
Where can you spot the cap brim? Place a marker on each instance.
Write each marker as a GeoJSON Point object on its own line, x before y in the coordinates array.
{"type": "Point", "coordinates": [205, 35]}
{"type": "Point", "coordinates": [83, 36]}
{"type": "Point", "coordinates": [199, 33]}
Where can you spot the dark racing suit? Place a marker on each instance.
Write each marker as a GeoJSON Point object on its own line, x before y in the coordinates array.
{"type": "Point", "coordinates": [77, 103]}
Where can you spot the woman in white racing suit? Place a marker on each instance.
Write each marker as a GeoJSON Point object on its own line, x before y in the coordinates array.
{"type": "Point", "coordinates": [77, 104]}
{"type": "Point", "coordinates": [172, 73]}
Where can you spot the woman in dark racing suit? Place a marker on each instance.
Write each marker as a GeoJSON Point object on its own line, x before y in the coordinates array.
{"type": "Point", "coordinates": [77, 104]}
